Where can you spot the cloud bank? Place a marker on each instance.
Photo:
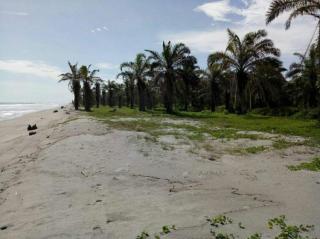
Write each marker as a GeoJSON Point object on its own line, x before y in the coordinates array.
{"type": "Point", "coordinates": [252, 15]}
{"type": "Point", "coordinates": [39, 69]}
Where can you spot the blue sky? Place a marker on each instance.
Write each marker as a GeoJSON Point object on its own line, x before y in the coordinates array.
{"type": "Point", "coordinates": [38, 37]}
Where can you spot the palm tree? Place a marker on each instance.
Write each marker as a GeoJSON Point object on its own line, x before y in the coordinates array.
{"type": "Point", "coordinates": [189, 74]}
{"type": "Point", "coordinates": [88, 77]}
{"type": "Point", "coordinates": [165, 67]}
{"type": "Point", "coordinates": [98, 91]}
{"type": "Point", "coordinates": [297, 8]}
{"type": "Point", "coordinates": [104, 94]}
{"type": "Point", "coordinates": [242, 56]}
{"type": "Point", "coordinates": [74, 83]}
{"type": "Point", "coordinates": [216, 73]}
{"type": "Point", "coordinates": [138, 70]}
{"type": "Point", "coordinates": [266, 84]}
{"type": "Point", "coordinates": [304, 76]}
{"type": "Point", "coordinates": [112, 89]}
{"type": "Point", "coordinates": [129, 82]}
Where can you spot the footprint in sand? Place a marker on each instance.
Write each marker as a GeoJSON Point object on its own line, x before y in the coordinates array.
{"type": "Point", "coordinates": [97, 233]}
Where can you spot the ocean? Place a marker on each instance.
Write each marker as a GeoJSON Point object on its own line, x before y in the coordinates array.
{"type": "Point", "coordinates": [14, 110]}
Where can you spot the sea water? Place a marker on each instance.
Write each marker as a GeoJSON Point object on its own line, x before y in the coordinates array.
{"type": "Point", "coordinates": [14, 110]}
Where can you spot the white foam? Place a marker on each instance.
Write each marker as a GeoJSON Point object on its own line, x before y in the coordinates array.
{"type": "Point", "coordinates": [10, 111]}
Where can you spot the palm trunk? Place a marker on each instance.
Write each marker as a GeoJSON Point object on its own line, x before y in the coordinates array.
{"type": "Point", "coordinates": [131, 97]}
{"type": "Point", "coordinates": [213, 101]}
{"type": "Point", "coordinates": [141, 91]}
{"type": "Point", "coordinates": [76, 87]}
{"type": "Point", "coordinates": [169, 95]}
{"type": "Point", "coordinates": [187, 93]}
{"type": "Point", "coordinates": [227, 101]}
{"type": "Point", "coordinates": [104, 96]}
{"type": "Point", "coordinates": [98, 95]}
{"type": "Point", "coordinates": [87, 96]}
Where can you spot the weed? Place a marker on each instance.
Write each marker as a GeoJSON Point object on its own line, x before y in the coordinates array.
{"type": "Point", "coordinates": [314, 165]}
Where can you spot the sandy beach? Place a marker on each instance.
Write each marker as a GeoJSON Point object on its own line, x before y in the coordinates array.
{"type": "Point", "coordinates": [79, 178]}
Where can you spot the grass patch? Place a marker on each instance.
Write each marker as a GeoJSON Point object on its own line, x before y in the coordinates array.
{"type": "Point", "coordinates": [250, 150]}
{"type": "Point", "coordinates": [284, 144]}
{"type": "Point", "coordinates": [252, 122]}
{"type": "Point", "coordinates": [314, 165]}
{"type": "Point", "coordinates": [218, 125]}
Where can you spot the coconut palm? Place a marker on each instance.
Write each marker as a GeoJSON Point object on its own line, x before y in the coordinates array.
{"type": "Point", "coordinates": [304, 76]}
{"type": "Point", "coordinates": [216, 71]}
{"type": "Point", "coordinates": [104, 94]}
{"type": "Point", "coordinates": [139, 70]}
{"type": "Point", "coordinates": [111, 88]}
{"type": "Point", "coordinates": [266, 84]}
{"type": "Point", "coordinates": [98, 91]}
{"type": "Point", "coordinates": [242, 56]}
{"type": "Point", "coordinates": [88, 77]}
{"type": "Point", "coordinates": [165, 67]}
{"type": "Point", "coordinates": [296, 7]}
{"type": "Point", "coordinates": [74, 83]}
{"type": "Point", "coordinates": [129, 83]}
{"type": "Point", "coordinates": [189, 74]}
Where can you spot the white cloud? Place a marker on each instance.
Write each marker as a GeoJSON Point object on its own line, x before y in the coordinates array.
{"type": "Point", "coordinates": [14, 13]}
{"type": "Point", "coordinates": [39, 69]}
{"type": "Point", "coordinates": [100, 29]}
{"type": "Point", "coordinates": [293, 40]}
{"type": "Point", "coordinates": [218, 10]}
{"type": "Point", "coordinates": [107, 66]}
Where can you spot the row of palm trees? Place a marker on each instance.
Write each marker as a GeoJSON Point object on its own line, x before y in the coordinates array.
{"type": "Point", "coordinates": [246, 75]}
{"type": "Point", "coordinates": [175, 66]}
{"type": "Point", "coordinates": [88, 77]}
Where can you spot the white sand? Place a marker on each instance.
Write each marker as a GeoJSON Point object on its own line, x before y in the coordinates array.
{"type": "Point", "coordinates": [79, 179]}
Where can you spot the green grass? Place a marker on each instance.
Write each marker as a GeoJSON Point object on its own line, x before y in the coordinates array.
{"type": "Point", "coordinates": [218, 125]}
{"type": "Point", "coordinates": [313, 165]}
{"type": "Point", "coordinates": [249, 150]}
{"type": "Point", "coordinates": [279, 125]}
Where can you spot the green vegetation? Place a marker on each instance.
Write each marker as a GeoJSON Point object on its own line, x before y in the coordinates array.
{"type": "Point", "coordinates": [165, 230]}
{"type": "Point", "coordinates": [219, 220]}
{"type": "Point", "coordinates": [314, 165]}
{"type": "Point", "coordinates": [284, 230]}
{"type": "Point", "coordinates": [250, 150]}
{"type": "Point", "coordinates": [217, 125]}
{"type": "Point", "coordinates": [283, 144]}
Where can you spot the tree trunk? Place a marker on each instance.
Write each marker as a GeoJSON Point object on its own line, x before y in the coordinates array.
{"type": "Point", "coordinates": [104, 96]}
{"type": "Point", "coordinates": [212, 91]}
{"type": "Point", "coordinates": [169, 94]}
{"type": "Point", "coordinates": [241, 80]}
{"type": "Point", "coordinates": [76, 87]}
{"type": "Point", "coordinates": [187, 94]}
{"type": "Point", "coordinates": [131, 97]}
{"type": "Point", "coordinates": [120, 101]}
{"type": "Point", "coordinates": [87, 96]}
{"type": "Point", "coordinates": [227, 101]}
{"type": "Point", "coordinates": [98, 95]}
{"type": "Point", "coordinates": [141, 91]}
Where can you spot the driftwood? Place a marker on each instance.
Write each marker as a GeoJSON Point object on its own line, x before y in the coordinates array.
{"type": "Point", "coordinates": [33, 127]}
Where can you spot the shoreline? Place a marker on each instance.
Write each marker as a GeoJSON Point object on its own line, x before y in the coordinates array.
{"type": "Point", "coordinates": [23, 112]}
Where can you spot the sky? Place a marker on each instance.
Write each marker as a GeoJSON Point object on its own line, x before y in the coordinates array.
{"type": "Point", "coordinates": [39, 37]}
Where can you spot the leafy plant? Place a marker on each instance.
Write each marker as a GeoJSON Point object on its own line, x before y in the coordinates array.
{"type": "Point", "coordinates": [219, 220]}
{"type": "Point", "coordinates": [314, 165]}
{"type": "Point", "coordinates": [289, 231]}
